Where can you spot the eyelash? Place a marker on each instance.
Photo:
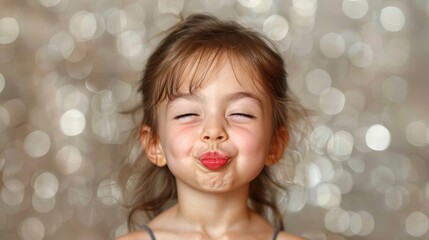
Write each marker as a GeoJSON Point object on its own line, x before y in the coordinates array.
{"type": "Point", "coordinates": [185, 115]}
{"type": "Point", "coordinates": [243, 115]}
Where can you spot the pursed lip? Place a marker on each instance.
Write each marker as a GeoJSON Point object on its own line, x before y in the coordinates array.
{"type": "Point", "coordinates": [213, 160]}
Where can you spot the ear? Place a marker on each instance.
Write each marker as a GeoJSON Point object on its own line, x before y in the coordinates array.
{"type": "Point", "coordinates": [278, 145]}
{"type": "Point", "coordinates": [152, 147]}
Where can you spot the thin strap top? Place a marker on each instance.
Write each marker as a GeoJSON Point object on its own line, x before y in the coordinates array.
{"type": "Point", "coordinates": [276, 233]}
{"type": "Point", "coordinates": [149, 231]}
{"type": "Point", "coordinates": [152, 236]}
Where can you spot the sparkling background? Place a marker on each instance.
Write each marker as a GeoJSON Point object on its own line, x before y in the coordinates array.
{"type": "Point", "coordinates": [68, 67]}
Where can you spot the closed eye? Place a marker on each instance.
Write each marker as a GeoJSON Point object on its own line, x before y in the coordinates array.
{"type": "Point", "coordinates": [186, 115]}
{"type": "Point", "coordinates": [246, 115]}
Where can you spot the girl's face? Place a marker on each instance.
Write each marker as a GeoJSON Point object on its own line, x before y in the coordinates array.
{"type": "Point", "coordinates": [217, 138]}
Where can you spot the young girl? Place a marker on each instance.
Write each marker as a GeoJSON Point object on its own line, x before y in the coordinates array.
{"type": "Point", "coordinates": [217, 117]}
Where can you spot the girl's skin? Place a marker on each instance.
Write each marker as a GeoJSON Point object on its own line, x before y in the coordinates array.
{"type": "Point", "coordinates": [227, 115]}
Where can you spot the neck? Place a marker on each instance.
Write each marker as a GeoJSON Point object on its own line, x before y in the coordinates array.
{"type": "Point", "coordinates": [213, 213]}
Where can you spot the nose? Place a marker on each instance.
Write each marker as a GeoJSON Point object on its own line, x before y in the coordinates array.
{"type": "Point", "coordinates": [214, 131]}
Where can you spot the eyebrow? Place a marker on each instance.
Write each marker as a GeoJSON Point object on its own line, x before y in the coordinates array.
{"type": "Point", "coordinates": [196, 97]}
{"type": "Point", "coordinates": [240, 95]}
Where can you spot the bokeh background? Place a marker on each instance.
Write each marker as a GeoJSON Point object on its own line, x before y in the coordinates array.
{"type": "Point", "coordinates": [69, 67]}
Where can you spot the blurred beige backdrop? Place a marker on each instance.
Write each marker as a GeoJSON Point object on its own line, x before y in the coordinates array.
{"type": "Point", "coordinates": [68, 67]}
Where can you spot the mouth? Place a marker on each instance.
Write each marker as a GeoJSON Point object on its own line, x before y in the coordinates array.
{"type": "Point", "coordinates": [213, 160]}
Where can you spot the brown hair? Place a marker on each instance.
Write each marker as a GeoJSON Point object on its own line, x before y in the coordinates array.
{"type": "Point", "coordinates": [199, 42]}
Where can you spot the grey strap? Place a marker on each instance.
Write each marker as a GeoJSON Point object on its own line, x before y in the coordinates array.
{"type": "Point", "coordinates": [149, 231]}
{"type": "Point", "coordinates": [276, 233]}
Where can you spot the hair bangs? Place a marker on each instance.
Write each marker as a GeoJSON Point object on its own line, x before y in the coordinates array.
{"type": "Point", "coordinates": [241, 65]}
{"type": "Point", "coordinates": [190, 71]}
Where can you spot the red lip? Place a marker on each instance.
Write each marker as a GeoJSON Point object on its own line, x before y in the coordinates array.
{"type": "Point", "coordinates": [213, 160]}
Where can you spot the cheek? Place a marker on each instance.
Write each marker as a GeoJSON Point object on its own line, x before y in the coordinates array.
{"type": "Point", "coordinates": [253, 143]}
{"type": "Point", "coordinates": [178, 142]}
{"type": "Point", "coordinates": [178, 148]}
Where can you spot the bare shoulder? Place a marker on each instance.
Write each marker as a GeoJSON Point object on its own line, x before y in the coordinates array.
{"type": "Point", "coordinates": [287, 236]}
{"type": "Point", "coordinates": [135, 236]}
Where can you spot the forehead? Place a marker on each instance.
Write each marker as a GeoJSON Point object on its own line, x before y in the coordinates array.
{"type": "Point", "coordinates": [200, 71]}
{"type": "Point", "coordinates": [226, 84]}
